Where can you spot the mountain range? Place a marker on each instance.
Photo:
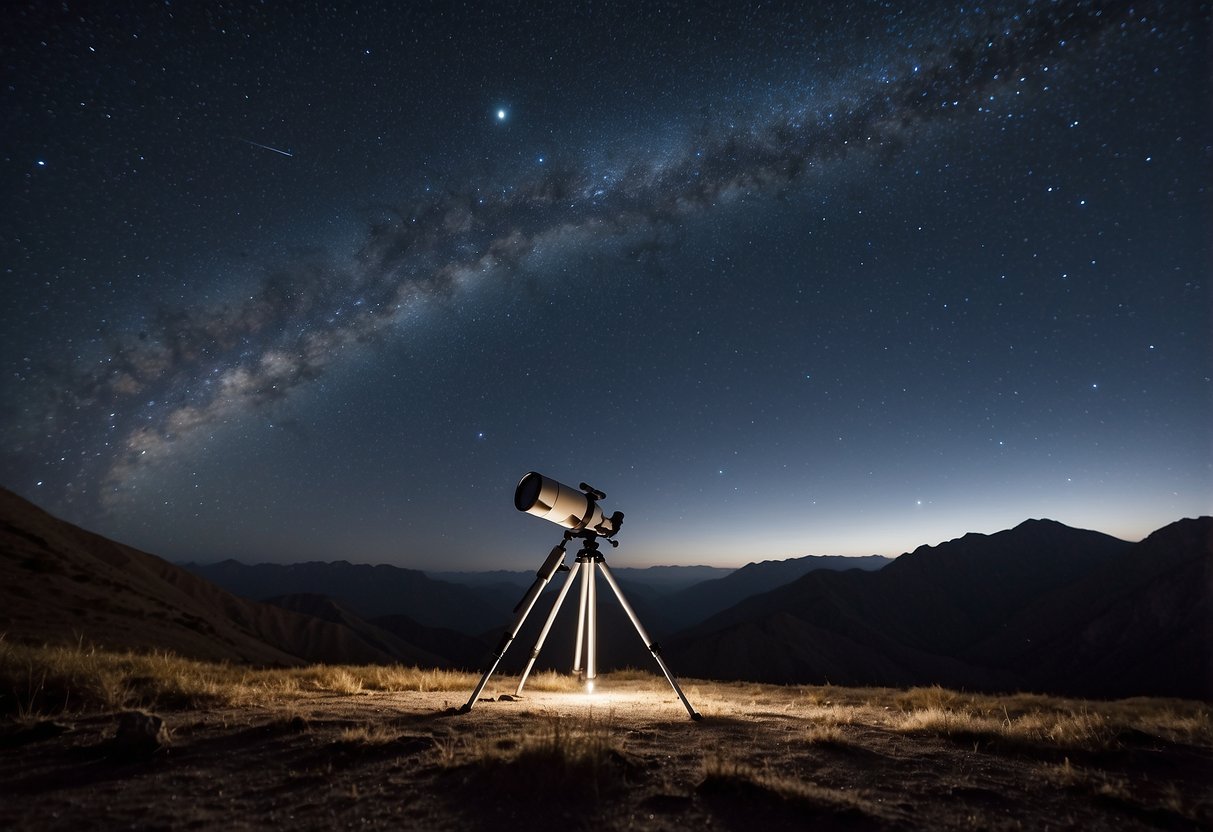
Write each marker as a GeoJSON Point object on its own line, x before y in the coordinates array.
{"type": "Point", "coordinates": [662, 579]}
{"type": "Point", "coordinates": [1040, 607]}
{"type": "Point", "coordinates": [368, 591]}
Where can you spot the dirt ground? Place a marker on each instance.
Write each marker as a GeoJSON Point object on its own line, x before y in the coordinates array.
{"type": "Point", "coordinates": [626, 757]}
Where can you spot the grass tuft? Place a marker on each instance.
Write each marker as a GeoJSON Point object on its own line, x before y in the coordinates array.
{"type": "Point", "coordinates": [573, 758]}
{"type": "Point", "coordinates": [372, 734]}
{"type": "Point", "coordinates": [552, 682]}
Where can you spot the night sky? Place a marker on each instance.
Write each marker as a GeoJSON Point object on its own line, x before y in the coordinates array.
{"type": "Point", "coordinates": [287, 282]}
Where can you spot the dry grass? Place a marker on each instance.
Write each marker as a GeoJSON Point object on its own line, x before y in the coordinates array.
{"type": "Point", "coordinates": [361, 742]}
{"type": "Point", "coordinates": [838, 715]}
{"type": "Point", "coordinates": [552, 682]}
{"type": "Point", "coordinates": [825, 735]}
{"type": "Point", "coordinates": [36, 681]}
{"type": "Point", "coordinates": [564, 756]}
{"type": "Point", "coordinates": [821, 694]}
{"type": "Point", "coordinates": [828, 723]}
{"type": "Point", "coordinates": [569, 741]}
{"type": "Point", "coordinates": [1042, 721]}
{"type": "Point", "coordinates": [40, 681]}
{"type": "Point", "coordinates": [373, 734]}
{"type": "Point", "coordinates": [723, 775]}
{"type": "Point", "coordinates": [832, 715]}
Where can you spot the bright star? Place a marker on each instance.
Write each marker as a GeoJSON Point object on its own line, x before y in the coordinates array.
{"type": "Point", "coordinates": [501, 115]}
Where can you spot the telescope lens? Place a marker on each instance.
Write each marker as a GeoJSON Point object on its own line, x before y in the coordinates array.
{"type": "Point", "coordinates": [557, 503]}
{"type": "Point", "coordinates": [527, 491]}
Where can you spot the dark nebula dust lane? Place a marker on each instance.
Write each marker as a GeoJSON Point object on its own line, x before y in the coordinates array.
{"type": "Point", "coordinates": [147, 397]}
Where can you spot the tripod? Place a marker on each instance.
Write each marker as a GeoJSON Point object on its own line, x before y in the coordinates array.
{"type": "Point", "coordinates": [589, 562]}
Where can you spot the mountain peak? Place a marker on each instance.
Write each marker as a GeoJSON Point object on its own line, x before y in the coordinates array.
{"type": "Point", "coordinates": [1041, 523]}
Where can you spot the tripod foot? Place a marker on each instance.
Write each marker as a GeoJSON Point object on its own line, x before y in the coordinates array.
{"type": "Point", "coordinates": [465, 708]}
{"type": "Point", "coordinates": [696, 716]}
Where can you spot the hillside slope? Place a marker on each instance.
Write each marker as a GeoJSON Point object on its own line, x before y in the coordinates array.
{"type": "Point", "coordinates": [60, 584]}
{"type": "Point", "coordinates": [1140, 624]}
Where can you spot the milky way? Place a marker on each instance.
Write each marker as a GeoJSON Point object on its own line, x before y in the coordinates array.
{"type": "Point", "coordinates": [106, 417]}
{"type": "Point", "coordinates": [196, 367]}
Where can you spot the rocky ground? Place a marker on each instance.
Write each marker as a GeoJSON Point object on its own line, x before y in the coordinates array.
{"type": "Point", "coordinates": [626, 757]}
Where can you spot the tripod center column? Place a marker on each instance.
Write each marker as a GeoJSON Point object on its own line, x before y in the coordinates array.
{"type": "Point", "coordinates": [591, 625]}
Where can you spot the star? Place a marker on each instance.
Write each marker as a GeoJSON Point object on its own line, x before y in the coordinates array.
{"type": "Point", "coordinates": [501, 115]}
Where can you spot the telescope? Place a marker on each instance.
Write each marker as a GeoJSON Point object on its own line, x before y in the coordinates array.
{"type": "Point", "coordinates": [565, 506]}
{"type": "Point", "coordinates": [578, 513]}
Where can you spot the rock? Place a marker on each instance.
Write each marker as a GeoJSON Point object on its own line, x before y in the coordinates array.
{"type": "Point", "coordinates": [140, 734]}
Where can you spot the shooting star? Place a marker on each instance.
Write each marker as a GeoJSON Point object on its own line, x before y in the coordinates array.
{"type": "Point", "coordinates": [267, 147]}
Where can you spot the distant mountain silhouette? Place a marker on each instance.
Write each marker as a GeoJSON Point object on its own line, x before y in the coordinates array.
{"type": "Point", "coordinates": [698, 602]}
{"type": "Point", "coordinates": [457, 623]}
{"type": "Point", "coordinates": [667, 579]}
{"type": "Point", "coordinates": [367, 591]}
{"type": "Point", "coordinates": [1041, 606]}
{"type": "Point", "coordinates": [475, 604]}
{"type": "Point", "coordinates": [60, 584]}
{"type": "Point", "coordinates": [520, 578]}
{"type": "Point", "coordinates": [677, 597]}
{"type": "Point", "coordinates": [457, 649]}
{"type": "Point", "coordinates": [388, 643]}
{"type": "Point", "coordinates": [652, 580]}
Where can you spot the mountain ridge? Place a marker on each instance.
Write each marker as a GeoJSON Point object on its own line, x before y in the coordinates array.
{"type": "Point", "coordinates": [698, 602]}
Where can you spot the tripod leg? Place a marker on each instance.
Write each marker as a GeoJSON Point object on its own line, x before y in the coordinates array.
{"type": "Point", "coordinates": [547, 626]}
{"type": "Point", "coordinates": [545, 573]}
{"type": "Point", "coordinates": [591, 627]}
{"type": "Point", "coordinates": [585, 583]}
{"type": "Point", "coordinates": [653, 648]}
